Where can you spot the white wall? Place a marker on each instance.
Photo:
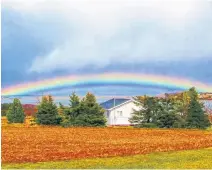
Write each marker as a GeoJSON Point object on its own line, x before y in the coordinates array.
{"type": "Point", "coordinates": [127, 109]}
{"type": "Point", "coordinates": [107, 115]}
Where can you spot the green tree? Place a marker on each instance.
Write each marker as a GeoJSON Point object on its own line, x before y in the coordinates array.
{"type": "Point", "coordinates": [185, 104]}
{"type": "Point", "coordinates": [166, 116]}
{"type": "Point", "coordinates": [147, 113]}
{"type": "Point", "coordinates": [74, 109]}
{"type": "Point", "coordinates": [181, 102]}
{"type": "Point", "coordinates": [47, 112]}
{"type": "Point", "coordinates": [15, 113]}
{"type": "Point", "coordinates": [166, 120]}
{"type": "Point", "coordinates": [74, 100]}
{"type": "Point", "coordinates": [71, 112]}
{"type": "Point", "coordinates": [156, 112]}
{"type": "Point", "coordinates": [4, 108]}
{"type": "Point", "coordinates": [65, 119]}
{"type": "Point", "coordinates": [90, 112]}
{"type": "Point", "coordinates": [63, 110]}
{"type": "Point", "coordinates": [61, 106]}
{"type": "Point", "coordinates": [196, 117]}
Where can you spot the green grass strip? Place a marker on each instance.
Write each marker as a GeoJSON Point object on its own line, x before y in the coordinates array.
{"type": "Point", "coordinates": [189, 159]}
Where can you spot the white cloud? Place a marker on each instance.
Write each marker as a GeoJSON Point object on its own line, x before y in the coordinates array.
{"type": "Point", "coordinates": [128, 31]}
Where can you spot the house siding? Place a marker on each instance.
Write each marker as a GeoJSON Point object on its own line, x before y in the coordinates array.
{"type": "Point", "coordinates": [115, 118]}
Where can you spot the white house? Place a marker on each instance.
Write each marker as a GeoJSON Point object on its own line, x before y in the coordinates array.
{"type": "Point", "coordinates": [118, 111]}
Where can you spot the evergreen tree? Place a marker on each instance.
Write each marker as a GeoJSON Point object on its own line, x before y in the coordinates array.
{"type": "Point", "coordinates": [166, 120]}
{"type": "Point", "coordinates": [90, 112]}
{"type": "Point", "coordinates": [196, 117]}
{"type": "Point", "coordinates": [74, 109]}
{"type": "Point", "coordinates": [168, 114]}
{"type": "Point", "coordinates": [74, 100]}
{"type": "Point", "coordinates": [185, 103]}
{"type": "Point", "coordinates": [148, 112]}
{"type": "Point", "coordinates": [15, 113]}
{"type": "Point", "coordinates": [65, 119]}
{"type": "Point", "coordinates": [47, 112]}
{"type": "Point", "coordinates": [90, 100]}
{"type": "Point", "coordinates": [61, 107]}
{"type": "Point", "coordinates": [156, 112]}
{"type": "Point", "coordinates": [71, 112]}
{"type": "Point", "coordinates": [4, 108]}
{"type": "Point", "coordinates": [62, 110]}
{"type": "Point", "coordinates": [181, 102]}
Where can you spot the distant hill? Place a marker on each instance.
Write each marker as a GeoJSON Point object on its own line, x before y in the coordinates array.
{"type": "Point", "coordinates": [202, 96]}
{"type": "Point", "coordinates": [205, 96]}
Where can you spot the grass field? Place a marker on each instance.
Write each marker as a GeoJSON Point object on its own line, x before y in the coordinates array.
{"type": "Point", "coordinates": [196, 159]}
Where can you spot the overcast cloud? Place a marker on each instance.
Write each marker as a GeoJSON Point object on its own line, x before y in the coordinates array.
{"type": "Point", "coordinates": [104, 32]}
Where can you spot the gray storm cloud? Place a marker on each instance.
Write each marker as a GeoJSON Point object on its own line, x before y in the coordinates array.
{"type": "Point", "coordinates": [107, 32]}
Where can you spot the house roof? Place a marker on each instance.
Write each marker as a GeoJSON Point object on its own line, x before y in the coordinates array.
{"type": "Point", "coordinates": [109, 104]}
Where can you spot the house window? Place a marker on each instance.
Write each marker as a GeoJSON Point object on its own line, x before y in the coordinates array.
{"type": "Point", "coordinates": [120, 113]}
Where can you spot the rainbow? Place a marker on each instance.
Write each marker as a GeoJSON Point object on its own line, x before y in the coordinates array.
{"type": "Point", "coordinates": [159, 81]}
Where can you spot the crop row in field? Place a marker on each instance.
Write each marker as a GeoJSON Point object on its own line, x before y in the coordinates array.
{"type": "Point", "coordinates": [35, 144]}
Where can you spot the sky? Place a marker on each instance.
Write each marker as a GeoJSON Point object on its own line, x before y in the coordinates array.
{"type": "Point", "coordinates": [42, 39]}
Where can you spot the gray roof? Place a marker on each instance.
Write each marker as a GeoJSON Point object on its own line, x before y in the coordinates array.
{"type": "Point", "coordinates": [113, 103]}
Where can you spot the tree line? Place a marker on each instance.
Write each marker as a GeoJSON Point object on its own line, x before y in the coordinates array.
{"type": "Point", "coordinates": [182, 111]}
{"type": "Point", "coordinates": [84, 112]}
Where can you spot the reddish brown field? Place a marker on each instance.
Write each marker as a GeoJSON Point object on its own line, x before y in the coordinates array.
{"type": "Point", "coordinates": [35, 144]}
